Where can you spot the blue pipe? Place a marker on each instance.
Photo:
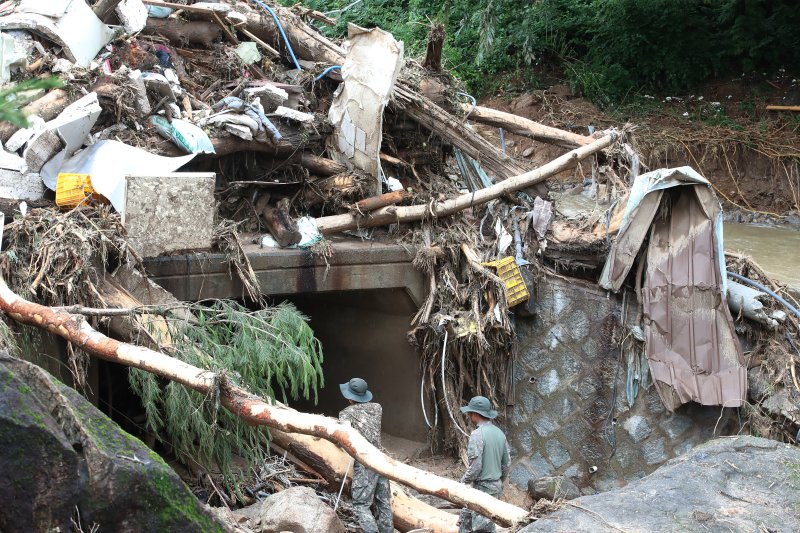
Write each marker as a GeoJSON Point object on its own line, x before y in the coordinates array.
{"type": "Point", "coordinates": [760, 287]}
{"type": "Point", "coordinates": [280, 28]}
{"type": "Point", "coordinates": [327, 70]}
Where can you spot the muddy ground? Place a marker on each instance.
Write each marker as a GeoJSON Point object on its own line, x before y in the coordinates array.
{"type": "Point", "coordinates": [750, 154]}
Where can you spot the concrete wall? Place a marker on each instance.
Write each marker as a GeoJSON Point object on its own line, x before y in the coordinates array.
{"type": "Point", "coordinates": [564, 381]}
{"type": "Point", "coordinates": [363, 333]}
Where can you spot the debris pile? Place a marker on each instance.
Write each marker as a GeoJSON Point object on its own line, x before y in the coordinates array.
{"type": "Point", "coordinates": [185, 126]}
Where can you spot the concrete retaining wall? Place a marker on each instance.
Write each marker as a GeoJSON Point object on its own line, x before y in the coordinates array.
{"type": "Point", "coordinates": [564, 377]}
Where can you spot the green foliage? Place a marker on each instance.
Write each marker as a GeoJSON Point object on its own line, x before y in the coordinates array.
{"type": "Point", "coordinates": [270, 352]}
{"type": "Point", "coordinates": [611, 49]}
{"type": "Point", "coordinates": [13, 98]}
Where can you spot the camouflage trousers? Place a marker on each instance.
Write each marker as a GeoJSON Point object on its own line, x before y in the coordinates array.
{"type": "Point", "coordinates": [371, 488]}
{"type": "Point", "coordinates": [472, 522]}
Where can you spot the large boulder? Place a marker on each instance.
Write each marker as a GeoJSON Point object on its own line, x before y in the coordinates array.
{"type": "Point", "coordinates": [61, 459]}
{"type": "Point", "coordinates": [728, 484]}
{"type": "Point", "coordinates": [295, 510]}
{"type": "Point", "coordinates": [553, 488]}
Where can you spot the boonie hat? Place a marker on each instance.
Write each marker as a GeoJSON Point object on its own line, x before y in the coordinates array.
{"type": "Point", "coordinates": [356, 390]}
{"type": "Point", "coordinates": [480, 405]}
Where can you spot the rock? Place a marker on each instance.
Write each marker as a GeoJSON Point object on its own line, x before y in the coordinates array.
{"type": "Point", "coordinates": [728, 484]}
{"type": "Point", "coordinates": [553, 488]}
{"type": "Point", "coordinates": [295, 510]}
{"type": "Point", "coordinates": [58, 453]}
{"type": "Point", "coordinates": [528, 151]}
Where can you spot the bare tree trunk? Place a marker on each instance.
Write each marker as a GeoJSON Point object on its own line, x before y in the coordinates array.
{"type": "Point", "coordinates": [253, 409]}
{"type": "Point", "coordinates": [523, 126]}
{"type": "Point", "coordinates": [331, 463]}
{"type": "Point", "coordinates": [105, 8]}
{"type": "Point", "coordinates": [384, 200]}
{"type": "Point", "coordinates": [321, 166]}
{"type": "Point", "coordinates": [47, 107]}
{"type": "Point", "coordinates": [433, 55]}
{"type": "Point", "coordinates": [281, 225]}
{"type": "Point", "coordinates": [393, 214]}
{"type": "Point", "coordinates": [196, 32]}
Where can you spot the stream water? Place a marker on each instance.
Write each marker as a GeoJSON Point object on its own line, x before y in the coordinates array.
{"type": "Point", "coordinates": [776, 250]}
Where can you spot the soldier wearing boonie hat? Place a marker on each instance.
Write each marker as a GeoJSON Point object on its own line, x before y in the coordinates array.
{"type": "Point", "coordinates": [489, 459]}
{"type": "Point", "coordinates": [368, 487]}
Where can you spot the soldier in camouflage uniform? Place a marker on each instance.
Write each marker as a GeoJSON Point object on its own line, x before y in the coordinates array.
{"type": "Point", "coordinates": [489, 459]}
{"type": "Point", "coordinates": [368, 487]}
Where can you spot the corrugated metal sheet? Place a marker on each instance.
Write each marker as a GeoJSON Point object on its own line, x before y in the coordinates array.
{"type": "Point", "coordinates": [691, 345]}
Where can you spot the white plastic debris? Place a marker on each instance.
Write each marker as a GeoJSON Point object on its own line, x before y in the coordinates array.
{"type": "Point", "coordinates": [11, 58]}
{"type": "Point", "coordinates": [72, 128]}
{"type": "Point", "coordinates": [70, 24]}
{"type": "Point", "coordinates": [62, 65]}
{"type": "Point", "coordinates": [293, 114]}
{"type": "Point", "coordinates": [394, 184]}
{"type": "Point", "coordinates": [132, 14]}
{"type": "Point", "coordinates": [504, 238]}
{"type": "Point", "coordinates": [186, 136]}
{"type": "Point", "coordinates": [248, 52]}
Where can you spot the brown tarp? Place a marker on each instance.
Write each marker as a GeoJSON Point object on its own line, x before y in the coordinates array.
{"type": "Point", "coordinates": [691, 344]}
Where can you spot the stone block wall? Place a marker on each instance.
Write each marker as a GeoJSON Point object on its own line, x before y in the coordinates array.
{"type": "Point", "coordinates": [561, 422]}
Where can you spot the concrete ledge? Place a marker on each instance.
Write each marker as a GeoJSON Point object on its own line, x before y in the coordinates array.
{"type": "Point", "coordinates": [355, 265]}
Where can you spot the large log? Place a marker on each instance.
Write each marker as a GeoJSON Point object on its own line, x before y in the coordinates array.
{"type": "Point", "coordinates": [321, 166]}
{"type": "Point", "coordinates": [331, 463]}
{"type": "Point", "coordinates": [384, 200]}
{"type": "Point", "coordinates": [250, 408]}
{"type": "Point", "coordinates": [47, 107]}
{"type": "Point", "coordinates": [393, 214]}
{"type": "Point", "coordinates": [197, 32]}
{"type": "Point", "coordinates": [523, 126]}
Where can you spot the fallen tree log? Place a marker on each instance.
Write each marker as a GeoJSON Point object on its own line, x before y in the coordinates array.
{"type": "Point", "coordinates": [250, 408]}
{"type": "Point", "coordinates": [321, 166]}
{"type": "Point", "coordinates": [384, 200]}
{"type": "Point", "coordinates": [393, 214]}
{"type": "Point", "coordinates": [331, 463]}
{"type": "Point", "coordinates": [281, 225]}
{"type": "Point", "coordinates": [47, 107]}
{"type": "Point", "coordinates": [523, 126]}
{"type": "Point", "coordinates": [196, 32]}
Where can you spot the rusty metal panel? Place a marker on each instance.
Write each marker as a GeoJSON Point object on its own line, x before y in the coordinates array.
{"type": "Point", "coordinates": [692, 347]}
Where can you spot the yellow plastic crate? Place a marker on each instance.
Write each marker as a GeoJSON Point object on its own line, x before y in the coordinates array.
{"type": "Point", "coordinates": [508, 272]}
{"type": "Point", "coordinates": [72, 189]}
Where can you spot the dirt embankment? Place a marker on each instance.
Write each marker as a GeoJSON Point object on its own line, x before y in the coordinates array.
{"type": "Point", "coordinates": [750, 155]}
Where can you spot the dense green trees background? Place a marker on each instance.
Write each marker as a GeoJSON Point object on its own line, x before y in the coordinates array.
{"type": "Point", "coordinates": [608, 49]}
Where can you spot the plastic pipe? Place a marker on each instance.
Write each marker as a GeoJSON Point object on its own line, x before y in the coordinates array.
{"type": "Point", "coordinates": [269, 10]}
{"type": "Point", "coordinates": [760, 287]}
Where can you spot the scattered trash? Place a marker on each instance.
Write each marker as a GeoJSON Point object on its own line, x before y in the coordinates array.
{"type": "Point", "coordinates": [69, 23]}
{"type": "Point", "coordinates": [185, 135]}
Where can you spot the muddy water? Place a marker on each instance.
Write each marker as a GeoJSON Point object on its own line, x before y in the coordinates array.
{"type": "Point", "coordinates": [777, 250]}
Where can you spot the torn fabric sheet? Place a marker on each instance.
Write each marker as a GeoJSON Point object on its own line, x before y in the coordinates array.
{"type": "Point", "coordinates": [691, 344]}
{"type": "Point", "coordinates": [373, 60]}
{"type": "Point", "coordinates": [70, 24]}
{"type": "Point", "coordinates": [108, 162]}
